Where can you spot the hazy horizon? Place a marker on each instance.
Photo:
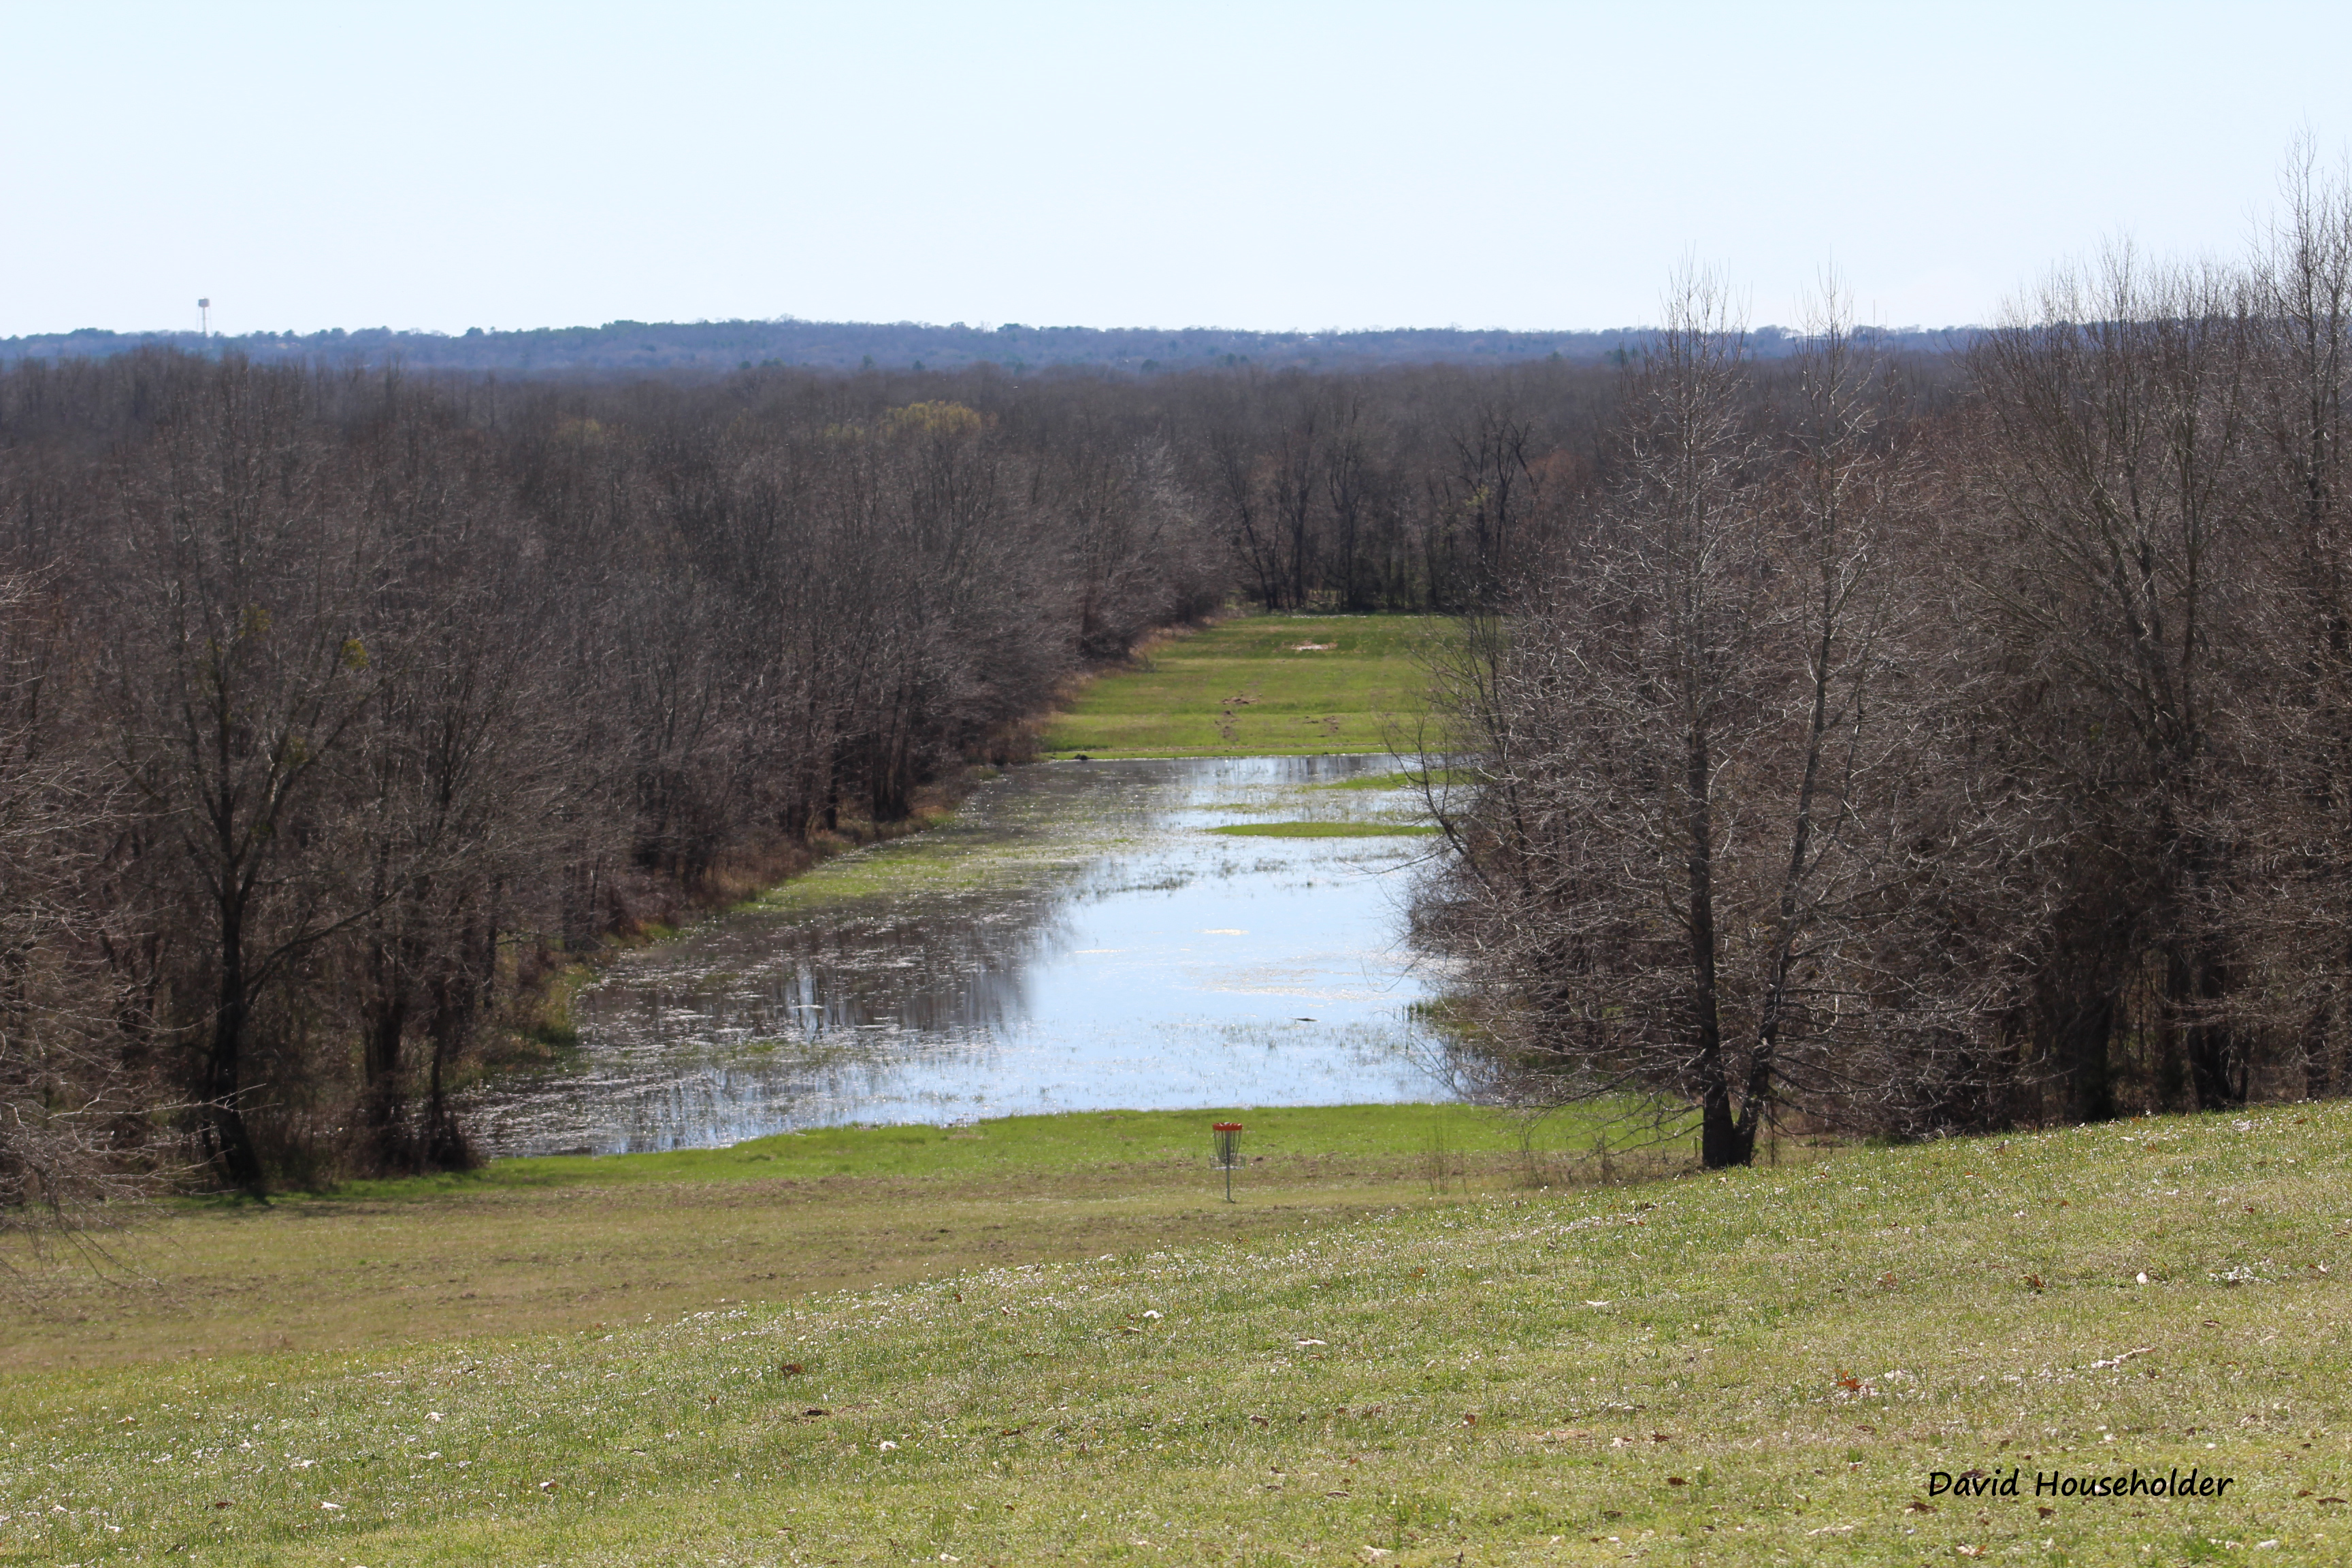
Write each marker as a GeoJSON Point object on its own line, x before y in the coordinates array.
{"type": "Point", "coordinates": [1540, 329]}
{"type": "Point", "coordinates": [639, 348]}
{"type": "Point", "coordinates": [1295, 168]}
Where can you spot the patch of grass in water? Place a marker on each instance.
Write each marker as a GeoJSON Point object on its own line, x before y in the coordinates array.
{"type": "Point", "coordinates": [931, 863]}
{"type": "Point", "coordinates": [1323, 830]}
{"type": "Point", "coordinates": [1442, 777]}
{"type": "Point", "coordinates": [947, 859]}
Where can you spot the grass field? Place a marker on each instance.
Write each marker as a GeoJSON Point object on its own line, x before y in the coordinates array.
{"type": "Point", "coordinates": [1260, 686]}
{"type": "Point", "coordinates": [1764, 1366]}
{"type": "Point", "coordinates": [561, 1243]}
{"type": "Point", "coordinates": [1424, 1335]}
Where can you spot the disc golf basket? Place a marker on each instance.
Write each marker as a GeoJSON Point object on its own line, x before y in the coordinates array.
{"type": "Point", "coordinates": [1229, 1152]}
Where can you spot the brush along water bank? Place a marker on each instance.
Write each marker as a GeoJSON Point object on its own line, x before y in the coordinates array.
{"type": "Point", "coordinates": [1261, 686]}
{"type": "Point", "coordinates": [1757, 1366]}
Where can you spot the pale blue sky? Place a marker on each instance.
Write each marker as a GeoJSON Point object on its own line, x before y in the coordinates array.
{"type": "Point", "coordinates": [1304, 165]}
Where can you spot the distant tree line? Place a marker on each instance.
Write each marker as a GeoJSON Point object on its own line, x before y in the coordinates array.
{"type": "Point", "coordinates": [716, 348]}
{"type": "Point", "coordinates": [1922, 754]}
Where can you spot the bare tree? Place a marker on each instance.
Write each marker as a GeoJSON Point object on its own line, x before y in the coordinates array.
{"type": "Point", "coordinates": [243, 677]}
{"type": "Point", "coordinates": [67, 1090]}
{"type": "Point", "coordinates": [2302, 283]}
{"type": "Point", "coordinates": [1691, 837]}
{"type": "Point", "coordinates": [2113, 432]}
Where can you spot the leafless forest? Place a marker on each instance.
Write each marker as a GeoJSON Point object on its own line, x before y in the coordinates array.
{"type": "Point", "coordinates": [1915, 753]}
{"type": "Point", "coordinates": [343, 708]}
{"type": "Point", "coordinates": [1909, 742]}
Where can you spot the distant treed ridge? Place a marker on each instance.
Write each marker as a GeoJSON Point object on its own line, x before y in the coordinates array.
{"type": "Point", "coordinates": [717, 347]}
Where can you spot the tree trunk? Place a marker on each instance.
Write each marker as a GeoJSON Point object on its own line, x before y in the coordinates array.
{"type": "Point", "coordinates": [384, 1101]}
{"type": "Point", "coordinates": [2082, 1055]}
{"type": "Point", "coordinates": [2200, 982]}
{"type": "Point", "coordinates": [1724, 1140]}
{"type": "Point", "coordinates": [446, 1147]}
{"type": "Point", "coordinates": [228, 1143]}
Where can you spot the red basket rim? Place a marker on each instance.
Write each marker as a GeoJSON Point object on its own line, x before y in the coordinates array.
{"type": "Point", "coordinates": [1226, 1127]}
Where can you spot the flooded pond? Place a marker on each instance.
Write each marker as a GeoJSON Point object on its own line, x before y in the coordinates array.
{"type": "Point", "coordinates": [1074, 938]}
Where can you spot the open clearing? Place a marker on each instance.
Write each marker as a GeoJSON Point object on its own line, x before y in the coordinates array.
{"type": "Point", "coordinates": [1759, 1366]}
{"type": "Point", "coordinates": [1261, 685]}
{"type": "Point", "coordinates": [526, 1246]}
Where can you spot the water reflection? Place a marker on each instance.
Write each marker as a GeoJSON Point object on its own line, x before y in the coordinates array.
{"type": "Point", "coordinates": [1072, 941]}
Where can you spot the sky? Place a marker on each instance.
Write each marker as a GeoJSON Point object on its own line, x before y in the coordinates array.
{"type": "Point", "coordinates": [1270, 166]}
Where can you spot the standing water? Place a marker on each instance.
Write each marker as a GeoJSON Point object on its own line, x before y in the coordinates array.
{"type": "Point", "coordinates": [1074, 938]}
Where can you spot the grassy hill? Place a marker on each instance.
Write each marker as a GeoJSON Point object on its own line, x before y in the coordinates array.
{"type": "Point", "coordinates": [1261, 685]}
{"type": "Point", "coordinates": [1762, 1366]}
{"type": "Point", "coordinates": [526, 1246]}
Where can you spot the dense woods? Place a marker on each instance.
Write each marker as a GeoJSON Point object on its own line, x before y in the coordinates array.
{"type": "Point", "coordinates": [1906, 743]}
{"type": "Point", "coordinates": [344, 707]}
{"type": "Point", "coordinates": [1914, 755]}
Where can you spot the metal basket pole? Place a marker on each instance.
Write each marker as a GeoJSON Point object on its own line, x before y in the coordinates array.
{"type": "Point", "coordinates": [1229, 1147]}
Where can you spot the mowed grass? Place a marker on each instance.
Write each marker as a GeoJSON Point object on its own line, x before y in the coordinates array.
{"type": "Point", "coordinates": [1244, 687]}
{"type": "Point", "coordinates": [1753, 1367]}
{"type": "Point", "coordinates": [524, 1246]}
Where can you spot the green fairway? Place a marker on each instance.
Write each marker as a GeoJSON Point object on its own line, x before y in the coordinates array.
{"type": "Point", "coordinates": [565, 1242]}
{"type": "Point", "coordinates": [1261, 685]}
{"type": "Point", "coordinates": [1774, 1365]}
